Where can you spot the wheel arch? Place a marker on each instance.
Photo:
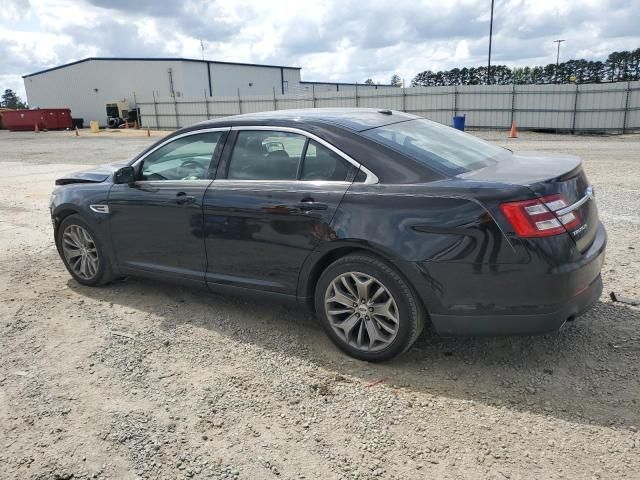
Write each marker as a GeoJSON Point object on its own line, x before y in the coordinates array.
{"type": "Point", "coordinates": [320, 259]}
{"type": "Point", "coordinates": [59, 215]}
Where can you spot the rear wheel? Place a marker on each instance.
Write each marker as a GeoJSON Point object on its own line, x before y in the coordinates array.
{"type": "Point", "coordinates": [82, 252]}
{"type": "Point", "coordinates": [367, 308]}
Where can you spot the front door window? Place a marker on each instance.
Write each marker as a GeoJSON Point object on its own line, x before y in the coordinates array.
{"type": "Point", "coordinates": [186, 158]}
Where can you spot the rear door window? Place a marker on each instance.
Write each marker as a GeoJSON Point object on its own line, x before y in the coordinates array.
{"type": "Point", "coordinates": [266, 155]}
{"type": "Point", "coordinates": [320, 163]}
{"type": "Point", "coordinates": [275, 155]}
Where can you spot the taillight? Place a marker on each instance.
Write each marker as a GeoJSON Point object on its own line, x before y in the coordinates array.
{"type": "Point", "coordinates": [536, 218]}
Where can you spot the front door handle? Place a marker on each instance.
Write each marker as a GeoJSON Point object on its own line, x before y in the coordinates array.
{"type": "Point", "coordinates": [182, 198]}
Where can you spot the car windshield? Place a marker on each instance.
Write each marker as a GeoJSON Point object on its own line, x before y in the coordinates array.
{"type": "Point", "coordinates": [443, 148]}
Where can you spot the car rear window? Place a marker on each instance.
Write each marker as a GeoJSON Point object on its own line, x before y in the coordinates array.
{"type": "Point", "coordinates": [443, 148]}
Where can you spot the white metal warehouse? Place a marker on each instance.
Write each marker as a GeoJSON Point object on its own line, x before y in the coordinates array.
{"type": "Point", "coordinates": [87, 86]}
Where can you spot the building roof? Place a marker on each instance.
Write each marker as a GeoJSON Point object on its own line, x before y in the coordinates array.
{"type": "Point", "coordinates": [158, 59]}
{"type": "Point", "coordinates": [348, 83]}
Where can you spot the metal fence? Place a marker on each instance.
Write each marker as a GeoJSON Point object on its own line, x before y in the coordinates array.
{"type": "Point", "coordinates": [610, 107]}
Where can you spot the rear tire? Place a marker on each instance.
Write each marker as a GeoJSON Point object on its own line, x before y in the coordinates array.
{"type": "Point", "coordinates": [367, 308]}
{"type": "Point", "coordinates": [83, 253]}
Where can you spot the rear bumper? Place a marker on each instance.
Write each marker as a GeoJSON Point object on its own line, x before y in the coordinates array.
{"type": "Point", "coordinates": [505, 324]}
{"type": "Point", "coordinates": [519, 301]}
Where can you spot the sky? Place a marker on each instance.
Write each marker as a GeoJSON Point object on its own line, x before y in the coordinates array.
{"type": "Point", "coordinates": [332, 40]}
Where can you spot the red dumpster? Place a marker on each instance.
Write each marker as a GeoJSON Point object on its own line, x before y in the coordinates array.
{"type": "Point", "coordinates": [45, 118]}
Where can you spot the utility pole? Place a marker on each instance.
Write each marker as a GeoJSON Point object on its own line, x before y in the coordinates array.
{"type": "Point", "coordinates": [490, 35]}
{"type": "Point", "coordinates": [202, 48]}
{"type": "Point", "coordinates": [558, 58]}
{"type": "Point", "coordinates": [558, 55]}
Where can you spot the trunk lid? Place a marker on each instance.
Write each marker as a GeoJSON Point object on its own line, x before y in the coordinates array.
{"type": "Point", "coordinates": [549, 175]}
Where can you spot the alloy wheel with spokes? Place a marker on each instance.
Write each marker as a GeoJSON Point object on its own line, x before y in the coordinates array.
{"type": "Point", "coordinates": [80, 252]}
{"type": "Point", "coordinates": [362, 311]}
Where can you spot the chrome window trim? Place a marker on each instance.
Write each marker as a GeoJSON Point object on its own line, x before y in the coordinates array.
{"type": "Point", "coordinates": [371, 178]}
{"type": "Point", "coordinates": [169, 140]}
{"type": "Point", "coordinates": [197, 182]}
{"type": "Point", "coordinates": [318, 183]}
{"type": "Point", "coordinates": [588, 196]}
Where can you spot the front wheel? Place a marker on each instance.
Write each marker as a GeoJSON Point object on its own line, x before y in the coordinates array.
{"type": "Point", "coordinates": [367, 308]}
{"type": "Point", "coordinates": [82, 252]}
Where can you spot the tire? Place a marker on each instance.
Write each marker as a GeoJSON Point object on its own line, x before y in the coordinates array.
{"type": "Point", "coordinates": [96, 272]}
{"type": "Point", "coordinates": [386, 325]}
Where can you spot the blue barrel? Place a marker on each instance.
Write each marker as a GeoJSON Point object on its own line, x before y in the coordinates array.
{"type": "Point", "coordinates": [458, 122]}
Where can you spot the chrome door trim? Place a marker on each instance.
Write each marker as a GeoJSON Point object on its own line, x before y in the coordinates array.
{"type": "Point", "coordinates": [371, 178]}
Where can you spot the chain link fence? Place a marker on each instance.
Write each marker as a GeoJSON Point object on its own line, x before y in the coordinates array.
{"type": "Point", "coordinates": [605, 107]}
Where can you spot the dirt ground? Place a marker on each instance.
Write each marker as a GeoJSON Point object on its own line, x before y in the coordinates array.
{"type": "Point", "coordinates": [144, 380]}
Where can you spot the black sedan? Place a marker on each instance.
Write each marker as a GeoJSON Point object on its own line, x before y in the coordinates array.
{"type": "Point", "coordinates": [380, 221]}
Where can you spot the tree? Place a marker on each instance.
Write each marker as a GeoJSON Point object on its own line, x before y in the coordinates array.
{"type": "Point", "coordinates": [618, 67]}
{"type": "Point", "coordinates": [396, 81]}
{"type": "Point", "coordinates": [368, 81]}
{"type": "Point", "coordinates": [11, 100]}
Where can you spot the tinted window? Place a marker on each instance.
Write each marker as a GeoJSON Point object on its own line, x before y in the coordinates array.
{"type": "Point", "coordinates": [186, 158]}
{"type": "Point", "coordinates": [445, 149]}
{"type": "Point", "coordinates": [361, 177]}
{"type": "Point", "coordinates": [320, 163]}
{"type": "Point", "coordinates": [266, 155]}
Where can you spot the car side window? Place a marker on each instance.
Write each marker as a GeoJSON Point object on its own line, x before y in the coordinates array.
{"type": "Point", "coordinates": [361, 177]}
{"type": "Point", "coordinates": [186, 158]}
{"type": "Point", "coordinates": [320, 163]}
{"type": "Point", "coordinates": [266, 155]}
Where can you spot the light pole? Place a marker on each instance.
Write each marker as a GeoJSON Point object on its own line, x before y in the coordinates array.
{"type": "Point", "coordinates": [490, 35]}
{"type": "Point", "coordinates": [558, 55]}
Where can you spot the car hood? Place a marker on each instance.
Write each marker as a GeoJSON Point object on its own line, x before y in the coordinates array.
{"type": "Point", "coordinates": [93, 175]}
{"type": "Point", "coordinates": [525, 168]}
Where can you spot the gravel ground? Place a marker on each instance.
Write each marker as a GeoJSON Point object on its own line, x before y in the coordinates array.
{"type": "Point", "coordinates": [145, 380]}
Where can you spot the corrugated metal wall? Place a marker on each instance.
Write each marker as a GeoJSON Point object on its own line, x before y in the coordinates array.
{"type": "Point", "coordinates": [592, 107]}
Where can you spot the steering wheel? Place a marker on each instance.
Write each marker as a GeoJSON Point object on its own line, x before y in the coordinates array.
{"type": "Point", "coordinates": [193, 170]}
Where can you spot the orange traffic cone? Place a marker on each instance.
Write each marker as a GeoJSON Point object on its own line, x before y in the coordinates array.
{"type": "Point", "coordinates": [36, 129]}
{"type": "Point", "coordinates": [77, 132]}
{"type": "Point", "coordinates": [514, 131]}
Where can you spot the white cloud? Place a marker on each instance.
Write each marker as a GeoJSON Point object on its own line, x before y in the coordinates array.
{"type": "Point", "coordinates": [333, 40]}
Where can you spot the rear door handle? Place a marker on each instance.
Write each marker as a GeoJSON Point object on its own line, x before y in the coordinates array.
{"type": "Point", "coordinates": [182, 198]}
{"type": "Point", "coordinates": [311, 205]}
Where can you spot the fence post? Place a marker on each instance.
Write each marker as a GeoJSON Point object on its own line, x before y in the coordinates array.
{"type": "Point", "coordinates": [404, 99]}
{"type": "Point", "coordinates": [206, 105]}
{"type": "Point", "coordinates": [313, 95]}
{"type": "Point", "coordinates": [575, 109]}
{"type": "Point", "coordinates": [357, 101]}
{"type": "Point", "coordinates": [239, 102]}
{"type": "Point", "coordinates": [455, 100]}
{"type": "Point", "coordinates": [513, 103]}
{"type": "Point", "coordinates": [626, 108]}
{"type": "Point", "coordinates": [275, 103]}
{"type": "Point", "coordinates": [155, 110]}
{"type": "Point", "coordinates": [175, 109]}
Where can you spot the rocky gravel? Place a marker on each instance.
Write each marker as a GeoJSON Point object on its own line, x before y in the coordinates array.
{"type": "Point", "coordinates": [142, 380]}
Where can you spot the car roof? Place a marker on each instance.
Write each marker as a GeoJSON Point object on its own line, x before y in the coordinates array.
{"type": "Point", "coordinates": [355, 119]}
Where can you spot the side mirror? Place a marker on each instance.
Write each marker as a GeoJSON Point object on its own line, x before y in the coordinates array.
{"type": "Point", "coordinates": [125, 175]}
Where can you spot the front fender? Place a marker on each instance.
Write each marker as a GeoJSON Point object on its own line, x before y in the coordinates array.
{"type": "Point", "coordinates": [77, 198]}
